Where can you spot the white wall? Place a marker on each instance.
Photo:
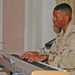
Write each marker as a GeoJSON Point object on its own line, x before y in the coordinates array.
{"type": "Point", "coordinates": [33, 23]}
{"type": "Point", "coordinates": [48, 32]}
{"type": "Point", "coordinates": [38, 23]}
{"type": "Point", "coordinates": [0, 24]}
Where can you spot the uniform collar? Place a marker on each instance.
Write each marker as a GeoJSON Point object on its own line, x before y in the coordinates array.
{"type": "Point", "coordinates": [68, 30]}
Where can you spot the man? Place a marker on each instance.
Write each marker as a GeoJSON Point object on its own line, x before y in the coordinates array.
{"type": "Point", "coordinates": [62, 52]}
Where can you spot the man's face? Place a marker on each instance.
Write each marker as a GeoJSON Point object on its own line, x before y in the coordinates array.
{"type": "Point", "coordinates": [58, 18]}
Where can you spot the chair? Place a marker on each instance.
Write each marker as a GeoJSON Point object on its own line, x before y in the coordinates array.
{"type": "Point", "coordinates": [45, 72]}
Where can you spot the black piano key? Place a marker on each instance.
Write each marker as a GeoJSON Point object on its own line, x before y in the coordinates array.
{"type": "Point", "coordinates": [36, 63]}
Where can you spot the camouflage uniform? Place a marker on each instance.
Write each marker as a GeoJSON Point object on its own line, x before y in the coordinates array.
{"type": "Point", "coordinates": [63, 49]}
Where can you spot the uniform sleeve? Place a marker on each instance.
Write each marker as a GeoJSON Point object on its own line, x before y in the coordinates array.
{"type": "Point", "coordinates": [68, 59]}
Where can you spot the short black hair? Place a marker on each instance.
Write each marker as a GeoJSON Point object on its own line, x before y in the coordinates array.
{"type": "Point", "coordinates": [64, 7]}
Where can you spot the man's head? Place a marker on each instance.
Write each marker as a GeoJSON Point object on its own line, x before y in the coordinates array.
{"type": "Point", "coordinates": [62, 15]}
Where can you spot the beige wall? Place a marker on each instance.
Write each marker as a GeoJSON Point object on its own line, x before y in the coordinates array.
{"type": "Point", "coordinates": [74, 11]}
{"type": "Point", "coordinates": [13, 24]}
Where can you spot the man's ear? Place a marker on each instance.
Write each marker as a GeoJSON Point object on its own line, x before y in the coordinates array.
{"type": "Point", "coordinates": [67, 18]}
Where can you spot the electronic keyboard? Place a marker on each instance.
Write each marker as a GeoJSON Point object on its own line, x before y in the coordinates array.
{"type": "Point", "coordinates": [14, 64]}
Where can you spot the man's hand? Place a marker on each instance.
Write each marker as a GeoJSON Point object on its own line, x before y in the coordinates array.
{"type": "Point", "coordinates": [33, 56]}
{"type": "Point", "coordinates": [29, 54]}
{"type": "Point", "coordinates": [37, 58]}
